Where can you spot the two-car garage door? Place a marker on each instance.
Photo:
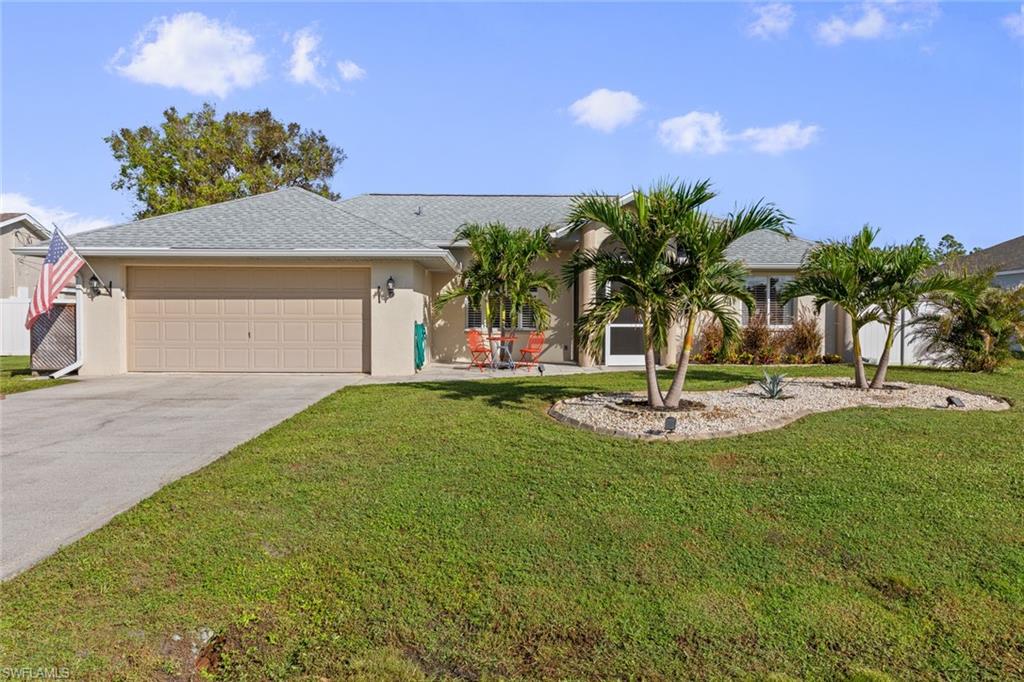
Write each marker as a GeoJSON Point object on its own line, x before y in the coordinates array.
{"type": "Point", "coordinates": [247, 319]}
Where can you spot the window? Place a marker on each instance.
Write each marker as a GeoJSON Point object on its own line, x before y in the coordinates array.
{"type": "Point", "coordinates": [767, 293]}
{"type": "Point", "coordinates": [474, 318]}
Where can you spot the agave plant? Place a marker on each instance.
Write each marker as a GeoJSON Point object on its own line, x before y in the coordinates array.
{"type": "Point", "coordinates": [772, 385]}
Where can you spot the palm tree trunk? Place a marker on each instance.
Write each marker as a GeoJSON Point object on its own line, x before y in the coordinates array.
{"type": "Point", "coordinates": [654, 398]}
{"type": "Point", "coordinates": [860, 379]}
{"type": "Point", "coordinates": [675, 390]}
{"type": "Point", "coordinates": [883, 363]}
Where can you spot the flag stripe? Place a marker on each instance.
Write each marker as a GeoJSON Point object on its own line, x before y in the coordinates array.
{"type": "Point", "coordinates": [61, 264]}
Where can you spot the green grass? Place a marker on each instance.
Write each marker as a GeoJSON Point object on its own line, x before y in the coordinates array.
{"type": "Point", "coordinates": [16, 376]}
{"type": "Point", "coordinates": [453, 530]}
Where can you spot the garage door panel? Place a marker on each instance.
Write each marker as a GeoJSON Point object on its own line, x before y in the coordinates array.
{"type": "Point", "coordinates": [206, 331]}
{"type": "Point", "coordinates": [352, 307]}
{"type": "Point", "coordinates": [206, 359]}
{"type": "Point", "coordinates": [173, 306]}
{"type": "Point", "coordinates": [235, 307]}
{"type": "Point", "coordinates": [264, 307]}
{"type": "Point", "coordinates": [177, 359]}
{"type": "Point", "coordinates": [265, 332]}
{"type": "Point", "coordinates": [176, 330]}
{"type": "Point", "coordinates": [247, 319]}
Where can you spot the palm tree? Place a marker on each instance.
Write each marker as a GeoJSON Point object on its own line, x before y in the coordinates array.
{"type": "Point", "coordinates": [904, 282]}
{"type": "Point", "coordinates": [705, 281]}
{"type": "Point", "coordinates": [501, 280]}
{"type": "Point", "coordinates": [847, 274]}
{"type": "Point", "coordinates": [635, 274]}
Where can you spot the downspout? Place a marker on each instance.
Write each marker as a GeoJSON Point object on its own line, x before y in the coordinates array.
{"type": "Point", "coordinates": [79, 337]}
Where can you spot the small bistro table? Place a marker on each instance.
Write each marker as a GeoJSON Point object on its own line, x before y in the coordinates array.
{"type": "Point", "coordinates": [503, 358]}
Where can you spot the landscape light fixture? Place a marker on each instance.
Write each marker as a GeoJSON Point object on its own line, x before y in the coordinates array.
{"type": "Point", "coordinates": [670, 425]}
{"type": "Point", "coordinates": [953, 401]}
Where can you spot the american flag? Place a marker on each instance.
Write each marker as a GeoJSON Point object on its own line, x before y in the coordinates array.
{"type": "Point", "coordinates": [59, 267]}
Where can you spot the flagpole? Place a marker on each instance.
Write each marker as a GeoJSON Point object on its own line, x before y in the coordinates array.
{"type": "Point", "coordinates": [87, 263]}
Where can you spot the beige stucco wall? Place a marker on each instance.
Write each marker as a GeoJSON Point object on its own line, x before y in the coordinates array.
{"type": "Point", "coordinates": [17, 271]}
{"type": "Point", "coordinates": [447, 332]}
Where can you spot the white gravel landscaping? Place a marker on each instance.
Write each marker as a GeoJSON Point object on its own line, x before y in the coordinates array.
{"type": "Point", "coordinates": [746, 410]}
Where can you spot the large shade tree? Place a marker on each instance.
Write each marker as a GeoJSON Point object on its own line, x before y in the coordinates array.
{"type": "Point", "coordinates": [847, 274]}
{"type": "Point", "coordinates": [196, 159]}
{"type": "Point", "coordinates": [502, 278]}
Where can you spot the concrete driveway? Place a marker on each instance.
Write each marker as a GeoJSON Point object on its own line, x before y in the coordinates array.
{"type": "Point", "coordinates": [74, 456]}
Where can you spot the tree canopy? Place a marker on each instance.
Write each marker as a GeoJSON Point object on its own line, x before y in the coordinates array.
{"type": "Point", "coordinates": [196, 159]}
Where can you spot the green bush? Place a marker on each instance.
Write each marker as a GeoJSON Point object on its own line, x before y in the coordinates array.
{"type": "Point", "coordinates": [975, 337]}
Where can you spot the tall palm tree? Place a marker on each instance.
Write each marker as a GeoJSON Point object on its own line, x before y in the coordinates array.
{"type": "Point", "coordinates": [501, 280]}
{"type": "Point", "coordinates": [847, 274]}
{"type": "Point", "coordinates": [704, 280]}
{"type": "Point", "coordinates": [904, 281]}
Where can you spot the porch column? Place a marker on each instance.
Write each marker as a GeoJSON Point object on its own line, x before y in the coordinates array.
{"type": "Point", "coordinates": [590, 238]}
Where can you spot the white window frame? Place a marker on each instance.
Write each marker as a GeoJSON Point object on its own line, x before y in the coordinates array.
{"type": "Point", "coordinates": [766, 280]}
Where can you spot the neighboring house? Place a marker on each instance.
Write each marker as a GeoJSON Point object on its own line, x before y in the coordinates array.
{"type": "Point", "coordinates": [18, 273]}
{"type": "Point", "coordinates": [291, 282]}
{"type": "Point", "coordinates": [1005, 259]}
{"type": "Point", "coordinates": [18, 277]}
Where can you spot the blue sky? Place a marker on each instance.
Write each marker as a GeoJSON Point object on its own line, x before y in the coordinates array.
{"type": "Point", "coordinates": [907, 116]}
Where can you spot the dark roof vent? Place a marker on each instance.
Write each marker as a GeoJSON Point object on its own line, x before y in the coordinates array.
{"type": "Point", "coordinates": [419, 210]}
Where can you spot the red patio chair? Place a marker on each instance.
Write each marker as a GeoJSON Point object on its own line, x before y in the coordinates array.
{"type": "Point", "coordinates": [479, 349]}
{"type": "Point", "coordinates": [530, 355]}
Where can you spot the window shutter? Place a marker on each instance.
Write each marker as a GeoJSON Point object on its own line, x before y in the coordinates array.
{"type": "Point", "coordinates": [780, 314]}
{"type": "Point", "coordinates": [474, 319]}
{"type": "Point", "coordinates": [758, 288]}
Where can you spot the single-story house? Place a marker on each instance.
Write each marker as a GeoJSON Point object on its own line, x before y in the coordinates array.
{"type": "Point", "coordinates": [289, 281]}
{"type": "Point", "coordinates": [1005, 260]}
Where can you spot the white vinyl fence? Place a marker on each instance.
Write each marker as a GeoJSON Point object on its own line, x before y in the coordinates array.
{"type": "Point", "coordinates": [14, 338]}
{"type": "Point", "coordinates": [906, 350]}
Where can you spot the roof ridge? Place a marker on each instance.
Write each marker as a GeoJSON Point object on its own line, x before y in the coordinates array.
{"type": "Point", "coordinates": [194, 208]}
{"type": "Point", "coordinates": [383, 227]}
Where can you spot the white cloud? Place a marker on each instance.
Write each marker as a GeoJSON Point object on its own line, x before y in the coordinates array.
{"type": "Point", "coordinates": [878, 20]}
{"type": "Point", "coordinates": [871, 24]}
{"type": "Point", "coordinates": [606, 110]}
{"type": "Point", "coordinates": [697, 131]}
{"type": "Point", "coordinates": [350, 71]}
{"type": "Point", "coordinates": [771, 20]}
{"type": "Point", "coordinates": [191, 51]}
{"type": "Point", "coordinates": [700, 131]}
{"type": "Point", "coordinates": [67, 221]}
{"type": "Point", "coordinates": [781, 138]}
{"type": "Point", "coordinates": [1014, 23]}
{"type": "Point", "coordinates": [305, 63]}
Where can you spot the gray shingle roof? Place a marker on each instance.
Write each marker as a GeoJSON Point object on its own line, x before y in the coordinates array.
{"type": "Point", "coordinates": [435, 218]}
{"type": "Point", "coordinates": [1008, 255]}
{"type": "Point", "coordinates": [293, 218]}
{"type": "Point", "coordinates": [768, 248]}
{"type": "Point", "coordinates": [289, 218]}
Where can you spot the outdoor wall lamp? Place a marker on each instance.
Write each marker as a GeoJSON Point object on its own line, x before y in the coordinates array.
{"type": "Point", "coordinates": [387, 291]}
{"type": "Point", "coordinates": [95, 286]}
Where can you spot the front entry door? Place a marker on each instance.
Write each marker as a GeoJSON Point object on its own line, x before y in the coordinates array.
{"type": "Point", "coordinates": [624, 341]}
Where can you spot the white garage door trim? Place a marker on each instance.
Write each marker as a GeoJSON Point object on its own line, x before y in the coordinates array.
{"type": "Point", "coordinates": [248, 319]}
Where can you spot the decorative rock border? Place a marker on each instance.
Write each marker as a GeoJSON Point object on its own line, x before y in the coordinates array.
{"type": "Point", "coordinates": [561, 412]}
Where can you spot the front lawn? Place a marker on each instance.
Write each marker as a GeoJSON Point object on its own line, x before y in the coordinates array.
{"type": "Point", "coordinates": [16, 377]}
{"type": "Point", "coordinates": [455, 531]}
